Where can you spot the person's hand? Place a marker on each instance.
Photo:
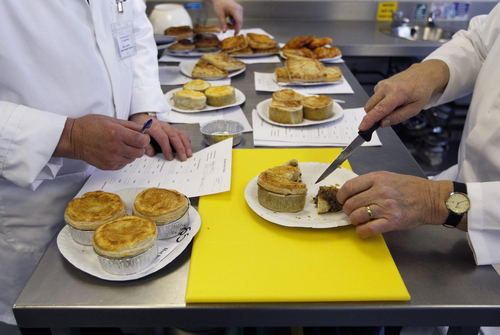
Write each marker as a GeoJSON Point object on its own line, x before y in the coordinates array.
{"type": "Point", "coordinates": [167, 137]}
{"type": "Point", "coordinates": [229, 8]}
{"type": "Point", "coordinates": [102, 141]}
{"type": "Point", "coordinates": [396, 202]}
{"type": "Point", "coordinates": [405, 94]}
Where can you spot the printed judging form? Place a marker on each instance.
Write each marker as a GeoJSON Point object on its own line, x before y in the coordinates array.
{"type": "Point", "coordinates": [207, 172]}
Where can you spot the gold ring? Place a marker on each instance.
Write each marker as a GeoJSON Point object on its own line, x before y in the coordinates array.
{"type": "Point", "coordinates": [369, 211]}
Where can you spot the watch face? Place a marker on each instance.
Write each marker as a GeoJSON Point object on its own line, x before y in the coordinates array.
{"type": "Point", "coordinates": [458, 203]}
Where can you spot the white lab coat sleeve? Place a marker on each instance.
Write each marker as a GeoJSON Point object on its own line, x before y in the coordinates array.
{"type": "Point", "coordinates": [464, 55]}
{"type": "Point", "coordinates": [483, 217]}
{"type": "Point", "coordinates": [147, 95]}
{"type": "Point", "coordinates": [28, 138]}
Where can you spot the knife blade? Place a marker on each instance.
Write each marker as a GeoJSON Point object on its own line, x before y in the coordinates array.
{"type": "Point", "coordinates": [363, 136]}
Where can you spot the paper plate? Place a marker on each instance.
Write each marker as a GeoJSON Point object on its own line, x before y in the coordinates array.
{"type": "Point", "coordinates": [187, 67]}
{"type": "Point", "coordinates": [240, 98]}
{"type": "Point", "coordinates": [84, 257]}
{"type": "Point", "coordinates": [308, 217]}
{"type": "Point", "coordinates": [263, 111]}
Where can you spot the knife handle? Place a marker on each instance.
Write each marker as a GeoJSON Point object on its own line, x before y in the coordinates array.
{"type": "Point", "coordinates": [367, 134]}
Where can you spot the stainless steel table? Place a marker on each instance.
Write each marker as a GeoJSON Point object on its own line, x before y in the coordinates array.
{"type": "Point", "coordinates": [436, 264]}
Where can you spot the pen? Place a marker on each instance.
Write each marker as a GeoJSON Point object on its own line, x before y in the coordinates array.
{"type": "Point", "coordinates": [146, 126]}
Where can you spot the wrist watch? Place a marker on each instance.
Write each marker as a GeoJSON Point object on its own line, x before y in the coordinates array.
{"type": "Point", "coordinates": [458, 204]}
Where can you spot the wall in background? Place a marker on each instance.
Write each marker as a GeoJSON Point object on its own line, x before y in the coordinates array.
{"type": "Point", "coordinates": [353, 10]}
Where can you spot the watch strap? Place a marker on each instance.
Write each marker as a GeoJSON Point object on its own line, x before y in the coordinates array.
{"type": "Point", "coordinates": [454, 218]}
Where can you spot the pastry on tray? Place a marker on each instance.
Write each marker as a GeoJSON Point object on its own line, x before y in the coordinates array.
{"type": "Point", "coordinates": [286, 112]}
{"type": "Point", "coordinates": [234, 43]}
{"type": "Point", "coordinates": [181, 32]}
{"type": "Point", "coordinates": [280, 188]}
{"type": "Point", "coordinates": [260, 41]}
{"type": "Point", "coordinates": [84, 215]}
{"type": "Point", "coordinates": [287, 95]}
{"type": "Point", "coordinates": [169, 209]}
{"type": "Point", "coordinates": [319, 42]}
{"type": "Point", "coordinates": [333, 74]}
{"type": "Point", "coordinates": [126, 245]}
{"type": "Point", "coordinates": [189, 100]}
{"type": "Point", "coordinates": [220, 95]}
{"type": "Point", "coordinates": [205, 70]}
{"type": "Point", "coordinates": [206, 29]}
{"type": "Point", "coordinates": [281, 75]}
{"type": "Point", "coordinates": [326, 200]}
{"type": "Point", "coordinates": [326, 52]}
{"type": "Point", "coordinates": [182, 45]}
{"type": "Point", "coordinates": [246, 51]}
{"type": "Point", "coordinates": [198, 85]}
{"type": "Point", "coordinates": [224, 61]}
{"type": "Point", "coordinates": [299, 42]}
{"type": "Point", "coordinates": [206, 42]}
{"type": "Point", "coordinates": [317, 108]}
{"type": "Point", "coordinates": [305, 70]}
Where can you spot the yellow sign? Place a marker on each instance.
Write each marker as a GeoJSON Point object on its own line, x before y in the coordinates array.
{"type": "Point", "coordinates": [385, 10]}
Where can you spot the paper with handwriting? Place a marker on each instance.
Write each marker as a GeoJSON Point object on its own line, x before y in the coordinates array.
{"type": "Point", "coordinates": [208, 171]}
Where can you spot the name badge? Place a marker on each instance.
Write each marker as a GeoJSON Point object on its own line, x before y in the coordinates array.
{"type": "Point", "coordinates": [123, 35]}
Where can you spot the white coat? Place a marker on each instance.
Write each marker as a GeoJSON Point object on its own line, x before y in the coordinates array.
{"type": "Point", "coordinates": [472, 57]}
{"type": "Point", "coordinates": [58, 59]}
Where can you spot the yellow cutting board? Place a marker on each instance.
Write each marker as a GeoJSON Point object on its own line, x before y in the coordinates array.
{"type": "Point", "coordinates": [238, 256]}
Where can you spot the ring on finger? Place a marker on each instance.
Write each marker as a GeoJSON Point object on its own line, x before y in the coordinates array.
{"type": "Point", "coordinates": [369, 211]}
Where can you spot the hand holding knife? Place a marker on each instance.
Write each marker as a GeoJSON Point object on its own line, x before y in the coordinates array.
{"type": "Point", "coordinates": [363, 136]}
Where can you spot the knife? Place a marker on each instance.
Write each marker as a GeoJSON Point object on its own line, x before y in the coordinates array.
{"type": "Point", "coordinates": [363, 136]}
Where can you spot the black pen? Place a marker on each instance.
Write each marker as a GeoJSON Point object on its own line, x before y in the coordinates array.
{"type": "Point", "coordinates": [146, 126]}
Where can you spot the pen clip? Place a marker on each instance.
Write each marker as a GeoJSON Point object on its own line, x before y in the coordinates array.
{"type": "Point", "coordinates": [146, 126]}
{"type": "Point", "coordinates": [119, 5]}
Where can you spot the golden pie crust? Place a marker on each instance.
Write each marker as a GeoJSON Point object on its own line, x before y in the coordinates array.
{"type": "Point", "coordinates": [160, 205]}
{"type": "Point", "coordinates": [305, 70]}
{"type": "Point", "coordinates": [326, 52]}
{"type": "Point", "coordinates": [197, 85]}
{"type": "Point", "coordinates": [281, 189]}
{"type": "Point", "coordinates": [299, 42]}
{"type": "Point", "coordinates": [124, 237]}
{"type": "Point", "coordinates": [94, 209]}
{"type": "Point", "coordinates": [181, 32]}
{"type": "Point", "coordinates": [260, 41]}
{"type": "Point", "coordinates": [220, 95]}
{"type": "Point", "coordinates": [205, 70]}
{"type": "Point", "coordinates": [224, 61]}
{"type": "Point", "coordinates": [319, 42]}
{"type": "Point", "coordinates": [287, 95]}
{"type": "Point", "coordinates": [234, 43]}
{"type": "Point", "coordinates": [317, 107]}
